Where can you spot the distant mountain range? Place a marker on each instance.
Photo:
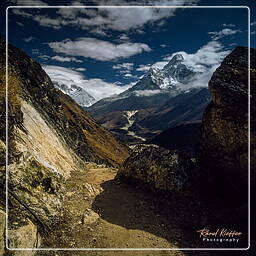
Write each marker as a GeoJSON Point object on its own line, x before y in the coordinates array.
{"type": "Point", "coordinates": [77, 93]}
{"type": "Point", "coordinates": [161, 99]}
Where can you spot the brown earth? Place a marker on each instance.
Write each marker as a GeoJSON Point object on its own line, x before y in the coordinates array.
{"type": "Point", "coordinates": [102, 212]}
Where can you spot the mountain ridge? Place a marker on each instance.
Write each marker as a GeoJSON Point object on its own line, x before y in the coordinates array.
{"type": "Point", "coordinates": [154, 96]}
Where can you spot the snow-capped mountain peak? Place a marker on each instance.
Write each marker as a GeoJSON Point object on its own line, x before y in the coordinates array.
{"type": "Point", "coordinates": [176, 58]}
{"type": "Point", "coordinates": [81, 96]}
{"type": "Point", "coordinates": [173, 73]}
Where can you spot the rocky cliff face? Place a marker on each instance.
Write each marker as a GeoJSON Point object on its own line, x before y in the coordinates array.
{"type": "Point", "coordinates": [223, 151]}
{"type": "Point", "coordinates": [49, 137]}
{"type": "Point", "coordinates": [160, 168]}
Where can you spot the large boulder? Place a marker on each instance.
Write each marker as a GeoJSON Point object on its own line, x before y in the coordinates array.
{"type": "Point", "coordinates": [223, 148]}
{"type": "Point", "coordinates": [158, 167]}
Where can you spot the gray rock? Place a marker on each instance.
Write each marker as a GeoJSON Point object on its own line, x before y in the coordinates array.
{"type": "Point", "coordinates": [161, 168]}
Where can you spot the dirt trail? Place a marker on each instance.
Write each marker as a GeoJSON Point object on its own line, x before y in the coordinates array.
{"type": "Point", "coordinates": [101, 212]}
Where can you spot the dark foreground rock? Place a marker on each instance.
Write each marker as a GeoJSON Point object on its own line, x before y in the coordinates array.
{"type": "Point", "coordinates": [160, 168]}
{"type": "Point", "coordinates": [223, 150]}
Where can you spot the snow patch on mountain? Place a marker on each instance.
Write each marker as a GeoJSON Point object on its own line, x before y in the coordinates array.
{"type": "Point", "coordinates": [147, 92]}
{"type": "Point", "coordinates": [84, 91]}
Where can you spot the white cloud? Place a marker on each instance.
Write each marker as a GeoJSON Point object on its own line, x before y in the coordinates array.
{"type": "Point", "coordinates": [118, 19]}
{"type": "Point", "coordinates": [253, 25]}
{"type": "Point", "coordinates": [205, 61]}
{"type": "Point", "coordinates": [28, 2]}
{"type": "Point", "coordinates": [65, 59]}
{"type": "Point", "coordinates": [98, 31]}
{"type": "Point", "coordinates": [125, 69]}
{"type": "Point", "coordinates": [124, 37]}
{"type": "Point", "coordinates": [126, 65]}
{"type": "Point", "coordinates": [98, 49]}
{"type": "Point", "coordinates": [143, 68]}
{"type": "Point", "coordinates": [208, 56]}
{"type": "Point", "coordinates": [163, 45]}
{"type": "Point", "coordinates": [80, 69]}
{"type": "Point", "coordinates": [129, 75]}
{"type": "Point", "coordinates": [229, 25]}
{"type": "Point", "coordinates": [22, 13]}
{"type": "Point", "coordinates": [147, 92]}
{"type": "Point", "coordinates": [202, 79]}
{"type": "Point", "coordinates": [44, 57]}
{"type": "Point", "coordinates": [96, 87]}
{"type": "Point", "coordinates": [28, 39]}
{"type": "Point", "coordinates": [35, 51]}
{"type": "Point", "coordinates": [216, 35]}
{"type": "Point", "coordinates": [46, 21]}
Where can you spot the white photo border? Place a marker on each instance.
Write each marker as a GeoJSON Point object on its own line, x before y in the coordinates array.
{"type": "Point", "coordinates": [129, 249]}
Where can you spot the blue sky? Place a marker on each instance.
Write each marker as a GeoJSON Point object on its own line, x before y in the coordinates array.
{"type": "Point", "coordinates": [109, 49]}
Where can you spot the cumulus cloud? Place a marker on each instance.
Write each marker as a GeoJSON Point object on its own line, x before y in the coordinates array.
{"type": "Point", "coordinates": [98, 49]}
{"type": "Point", "coordinates": [125, 69]}
{"type": "Point", "coordinates": [216, 35]}
{"type": "Point", "coordinates": [96, 87]}
{"type": "Point", "coordinates": [99, 21]}
{"type": "Point", "coordinates": [65, 59]}
{"type": "Point", "coordinates": [43, 20]}
{"type": "Point", "coordinates": [203, 59]}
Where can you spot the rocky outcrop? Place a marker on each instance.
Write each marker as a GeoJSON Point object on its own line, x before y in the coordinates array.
{"type": "Point", "coordinates": [71, 123]}
{"type": "Point", "coordinates": [223, 150]}
{"type": "Point", "coordinates": [24, 236]}
{"type": "Point", "coordinates": [49, 138]}
{"type": "Point", "coordinates": [160, 168]}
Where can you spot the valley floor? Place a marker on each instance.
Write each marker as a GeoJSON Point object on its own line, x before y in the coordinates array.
{"type": "Point", "coordinates": [102, 212]}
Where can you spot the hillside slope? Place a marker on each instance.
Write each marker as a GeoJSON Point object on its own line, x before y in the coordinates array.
{"type": "Point", "coordinates": [71, 123]}
{"type": "Point", "coordinates": [49, 138]}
